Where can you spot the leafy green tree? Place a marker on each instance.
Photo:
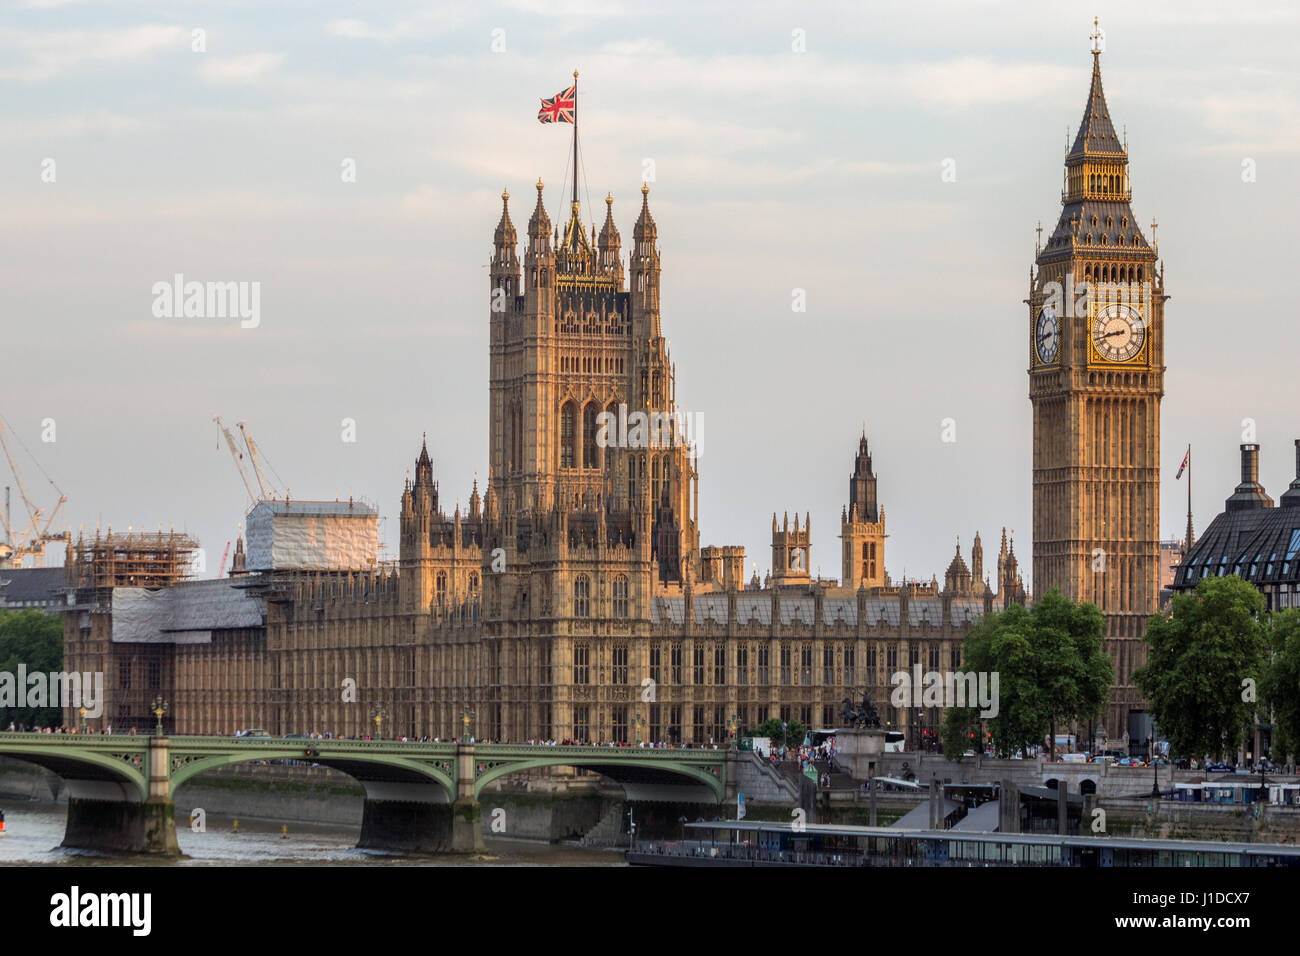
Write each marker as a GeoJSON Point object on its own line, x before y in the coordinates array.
{"type": "Point", "coordinates": [1203, 658]}
{"type": "Point", "coordinates": [1052, 670]}
{"type": "Point", "coordinates": [1280, 685]}
{"type": "Point", "coordinates": [771, 728]}
{"type": "Point", "coordinates": [1073, 666]}
{"type": "Point", "coordinates": [959, 723]}
{"type": "Point", "coordinates": [33, 639]}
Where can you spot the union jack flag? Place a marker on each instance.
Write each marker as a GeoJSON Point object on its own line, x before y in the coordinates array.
{"type": "Point", "coordinates": [560, 108]}
{"type": "Point", "coordinates": [1186, 460]}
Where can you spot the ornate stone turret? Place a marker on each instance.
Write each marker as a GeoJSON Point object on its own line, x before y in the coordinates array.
{"type": "Point", "coordinates": [862, 526]}
{"type": "Point", "coordinates": [505, 262]}
{"type": "Point", "coordinates": [645, 265]}
{"type": "Point", "coordinates": [957, 579]}
{"type": "Point", "coordinates": [792, 552]}
{"type": "Point", "coordinates": [610, 245]}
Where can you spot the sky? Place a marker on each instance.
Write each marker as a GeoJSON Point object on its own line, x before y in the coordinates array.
{"type": "Point", "coordinates": [792, 148]}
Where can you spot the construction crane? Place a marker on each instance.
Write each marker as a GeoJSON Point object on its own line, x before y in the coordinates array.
{"type": "Point", "coordinates": [31, 541]}
{"type": "Point", "coordinates": [221, 571]}
{"type": "Point", "coordinates": [237, 455]}
{"type": "Point", "coordinates": [256, 458]}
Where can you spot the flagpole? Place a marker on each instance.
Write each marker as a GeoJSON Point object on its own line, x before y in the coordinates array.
{"type": "Point", "coordinates": [1189, 499]}
{"type": "Point", "coordinates": [575, 137]}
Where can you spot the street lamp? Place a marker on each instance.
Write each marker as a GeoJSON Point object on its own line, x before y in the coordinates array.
{"type": "Point", "coordinates": [465, 718]}
{"type": "Point", "coordinates": [785, 746]}
{"type": "Point", "coordinates": [159, 707]}
{"type": "Point", "coordinates": [638, 722]}
{"type": "Point", "coordinates": [1155, 768]}
{"type": "Point", "coordinates": [733, 724]}
{"type": "Point", "coordinates": [83, 718]}
{"type": "Point", "coordinates": [378, 715]}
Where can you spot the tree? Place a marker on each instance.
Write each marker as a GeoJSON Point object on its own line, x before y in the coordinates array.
{"type": "Point", "coordinates": [33, 639]}
{"type": "Point", "coordinates": [1204, 659]}
{"type": "Point", "coordinates": [1280, 685]}
{"type": "Point", "coordinates": [1073, 666]}
{"type": "Point", "coordinates": [771, 728]}
{"type": "Point", "coordinates": [1051, 668]}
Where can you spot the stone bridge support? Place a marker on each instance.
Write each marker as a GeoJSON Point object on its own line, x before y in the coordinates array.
{"type": "Point", "coordinates": [419, 818]}
{"type": "Point", "coordinates": [112, 817]}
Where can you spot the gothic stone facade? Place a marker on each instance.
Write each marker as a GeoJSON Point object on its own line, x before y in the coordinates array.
{"type": "Point", "coordinates": [572, 600]}
{"type": "Point", "coordinates": [1096, 378]}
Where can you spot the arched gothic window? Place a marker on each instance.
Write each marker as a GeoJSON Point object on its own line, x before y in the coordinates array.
{"type": "Point", "coordinates": [620, 596]}
{"type": "Point", "coordinates": [582, 596]}
{"type": "Point", "coordinates": [568, 451]}
{"type": "Point", "coordinates": [589, 430]}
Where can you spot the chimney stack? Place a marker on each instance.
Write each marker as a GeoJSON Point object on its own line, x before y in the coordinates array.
{"type": "Point", "coordinates": [1250, 493]}
{"type": "Point", "coordinates": [1291, 498]}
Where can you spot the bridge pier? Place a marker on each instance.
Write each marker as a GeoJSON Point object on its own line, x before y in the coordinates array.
{"type": "Point", "coordinates": [418, 818]}
{"type": "Point", "coordinates": [105, 818]}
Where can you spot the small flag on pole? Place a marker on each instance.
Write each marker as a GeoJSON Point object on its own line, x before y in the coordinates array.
{"type": "Point", "coordinates": [560, 108]}
{"type": "Point", "coordinates": [1186, 459]}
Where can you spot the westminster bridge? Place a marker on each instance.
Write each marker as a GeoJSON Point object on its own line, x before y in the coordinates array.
{"type": "Point", "coordinates": [419, 797]}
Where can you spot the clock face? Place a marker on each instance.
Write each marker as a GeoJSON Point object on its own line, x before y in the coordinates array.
{"type": "Point", "coordinates": [1118, 333]}
{"type": "Point", "coordinates": [1046, 335]}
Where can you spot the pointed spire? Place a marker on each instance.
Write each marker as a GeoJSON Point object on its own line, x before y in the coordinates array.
{"type": "Point", "coordinates": [645, 223]}
{"type": "Point", "coordinates": [505, 234]}
{"type": "Point", "coordinates": [1096, 136]}
{"type": "Point", "coordinates": [424, 464]}
{"type": "Point", "coordinates": [610, 242]}
{"type": "Point", "coordinates": [539, 224]}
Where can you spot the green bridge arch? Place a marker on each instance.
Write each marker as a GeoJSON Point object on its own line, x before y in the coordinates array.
{"type": "Point", "coordinates": [695, 773]}
{"type": "Point", "coordinates": [56, 758]}
{"type": "Point", "coordinates": [192, 768]}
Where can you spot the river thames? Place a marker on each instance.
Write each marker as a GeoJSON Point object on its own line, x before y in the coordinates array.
{"type": "Point", "coordinates": [34, 830]}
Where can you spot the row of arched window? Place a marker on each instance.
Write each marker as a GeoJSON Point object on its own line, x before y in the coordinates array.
{"type": "Point", "coordinates": [1106, 185]}
{"type": "Point", "coordinates": [582, 596]}
{"type": "Point", "coordinates": [440, 586]}
{"type": "Point", "coordinates": [1112, 273]}
{"type": "Point", "coordinates": [582, 450]}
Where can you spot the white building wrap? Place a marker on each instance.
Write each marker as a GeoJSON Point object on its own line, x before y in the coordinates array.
{"type": "Point", "coordinates": [312, 535]}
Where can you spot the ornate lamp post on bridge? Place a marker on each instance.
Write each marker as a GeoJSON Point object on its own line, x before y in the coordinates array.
{"type": "Point", "coordinates": [378, 715]}
{"type": "Point", "coordinates": [158, 707]}
{"type": "Point", "coordinates": [638, 722]}
{"type": "Point", "coordinates": [733, 726]}
{"type": "Point", "coordinates": [83, 718]}
{"type": "Point", "coordinates": [465, 718]}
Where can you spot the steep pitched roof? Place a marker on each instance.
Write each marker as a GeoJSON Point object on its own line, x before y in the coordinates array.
{"type": "Point", "coordinates": [1096, 135]}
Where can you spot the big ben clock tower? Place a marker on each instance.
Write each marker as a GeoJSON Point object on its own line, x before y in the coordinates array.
{"type": "Point", "coordinates": [1096, 377]}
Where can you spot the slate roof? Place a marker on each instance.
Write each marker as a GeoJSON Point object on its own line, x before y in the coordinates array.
{"type": "Point", "coordinates": [1075, 226]}
{"type": "Point", "coordinates": [1251, 538]}
{"type": "Point", "coordinates": [1261, 545]}
{"type": "Point", "coordinates": [21, 585]}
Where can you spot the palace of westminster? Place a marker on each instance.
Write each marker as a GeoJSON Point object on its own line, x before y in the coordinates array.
{"type": "Point", "coordinates": [573, 599]}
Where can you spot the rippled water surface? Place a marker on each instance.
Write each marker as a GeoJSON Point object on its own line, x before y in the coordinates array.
{"type": "Point", "coordinates": [33, 832]}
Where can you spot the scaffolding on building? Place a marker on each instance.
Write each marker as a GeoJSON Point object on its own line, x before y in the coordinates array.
{"type": "Point", "coordinates": [136, 559]}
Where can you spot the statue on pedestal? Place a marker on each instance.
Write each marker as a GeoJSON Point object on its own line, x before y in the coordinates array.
{"type": "Point", "coordinates": [864, 715]}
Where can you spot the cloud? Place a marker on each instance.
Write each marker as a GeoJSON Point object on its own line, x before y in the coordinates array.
{"type": "Point", "coordinates": [96, 124]}
{"type": "Point", "coordinates": [41, 56]}
{"type": "Point", "coordinates": [244, 70]}
{"type": "Point", "coordinates": [359, 30]}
